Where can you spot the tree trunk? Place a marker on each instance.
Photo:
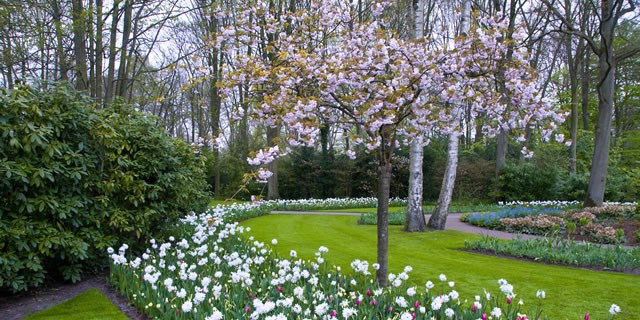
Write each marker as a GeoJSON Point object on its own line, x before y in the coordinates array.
{"type": "Point", "coordinates": [126, 33]}
{"type": "Point", "coordinates": [8, 58]}
{"type": "Point", "coordinates": [62, 61]}
{"type": "Point", "coordinates": [439, 217]}
{"type": "Point", "coordinates": [606, 89]}
{"type": "Point", "coordinates": [272, 183]}
{"type": "Point", "coordinates": [600, 162]}
{"type": "Point", "coordinates": [502, 142]}
{"type": "Point", "coordinates": [585, 80]}
{"type": "Point", "coordinates": [415, 221]}
{"type": "Point", "coordinates": [501, 151]}
{"type": "Point", "coordinates": [574, 61]}
{"type": "Point", "coordinates": [384, 184]}
{"type": "Point", "coordinates": [215, 103]}
{"type": "Point", "coordinates": [111, 85]}
{"type": "Point", "coordinates": [98, 53]}
{"type": "Point", "coordinates": [80, 46]}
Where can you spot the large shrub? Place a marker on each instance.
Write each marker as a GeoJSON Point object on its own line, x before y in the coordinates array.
{"type": "Point", "coordinates": [46, 158]}
{"type": "Point", "coordinates": [525, 181]}
{"type": "Point", "coordinates": [146, 179]}
{"type": "Point", "coordinates": [75, 181]}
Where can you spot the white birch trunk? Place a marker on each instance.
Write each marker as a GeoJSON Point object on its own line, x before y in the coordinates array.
{"type": "Point", "coordinates": [439, 217]}
{"type": "Point", "coordinates": [415, 216]}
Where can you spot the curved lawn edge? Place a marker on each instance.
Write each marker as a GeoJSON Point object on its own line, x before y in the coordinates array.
{"type": "Point", "coordinates": [570, 291]}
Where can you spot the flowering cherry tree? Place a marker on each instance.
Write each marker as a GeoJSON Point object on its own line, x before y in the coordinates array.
{"type": "Point", "coordinates": [328, 66]}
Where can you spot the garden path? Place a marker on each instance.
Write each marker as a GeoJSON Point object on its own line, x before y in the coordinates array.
{"type": "Point", "coordinates": [453, 223]}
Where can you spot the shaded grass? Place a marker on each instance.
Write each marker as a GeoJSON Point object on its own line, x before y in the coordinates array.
{"type": "Point", "coordinates": [570, 292]}
{"type": "Point", "coordinates": [91, 304]}
{"type": "Point", "coordinates": [367, 210]}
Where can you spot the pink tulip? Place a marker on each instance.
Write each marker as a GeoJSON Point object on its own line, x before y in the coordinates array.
{"type": "Point", "coordinates": [508, 300]}
{"type": "Point", "coordinates": [417, 304]}
{"type": "Point", "coordinates": [390, 308]}
{"type": "Point", "coordinates": [484, 316]}
{"type": "Point", "coordinates": [586, 316]}
{"type": "Point", "coordinates": [333, 313]}
{"type": "Point", "coordinates": [374, 302]}
{"type": "Point", "coordinates": [368, 292]}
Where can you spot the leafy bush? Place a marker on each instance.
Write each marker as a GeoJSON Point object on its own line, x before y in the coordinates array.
{"type": "Point", "coordinates": [525, 181]}
{"type": "Point", "coordinates": [74, 181]}
{"type": "Point", "coordinates": [46, 158]}
{"type": "Point", "coordinates": [146, 179]}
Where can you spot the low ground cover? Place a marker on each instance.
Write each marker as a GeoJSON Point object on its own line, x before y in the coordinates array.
{"type": "Point", "coordinates": [562, 251]}
{"type": "Point", "coordinates": [612, 224]}
{"type": "Point", "coordinates": [187, 278]}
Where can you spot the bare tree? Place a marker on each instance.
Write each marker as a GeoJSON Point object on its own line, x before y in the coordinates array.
{"type": "Point", "coordinates": [609, 14]}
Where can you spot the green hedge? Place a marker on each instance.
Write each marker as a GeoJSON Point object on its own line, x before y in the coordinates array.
{"type": "Point", "coordinates": [74, 181]}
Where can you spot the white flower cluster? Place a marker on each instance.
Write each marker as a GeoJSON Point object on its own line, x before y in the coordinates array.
{"type": "Point", "coordinates": [219, 272]}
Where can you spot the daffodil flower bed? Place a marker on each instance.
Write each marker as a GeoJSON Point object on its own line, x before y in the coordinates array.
{"type": "Point", "coordinates": [216, 270]}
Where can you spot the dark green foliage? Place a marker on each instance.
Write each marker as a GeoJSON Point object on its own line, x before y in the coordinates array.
{"type": "Point", "coordinates": [75, 181]}
{"type": "Point", "coordinates": [525, 182]}
{"type": "Point", "coordinates": [147, 179]}
{"type": "Point", "coordinates": [46, 158]}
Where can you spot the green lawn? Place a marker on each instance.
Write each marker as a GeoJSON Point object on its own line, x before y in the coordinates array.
{"type": "Point", "coordinates": [371, 210]}
{"type": "Point", "coordinates": [570, 292]}
{"type": "Point", "coordinates": [90, 305]}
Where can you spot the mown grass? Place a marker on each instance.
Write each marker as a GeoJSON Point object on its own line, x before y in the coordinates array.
{"type": "Point", "coordinates": [570, 292]}
{"type": "Point", "coordinates": [428, 208]}
{"type": "Point", "coordinates": [90, 305]}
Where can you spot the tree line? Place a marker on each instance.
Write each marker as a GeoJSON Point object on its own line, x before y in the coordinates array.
{"type": "Point", "coordinates": [163, 57]}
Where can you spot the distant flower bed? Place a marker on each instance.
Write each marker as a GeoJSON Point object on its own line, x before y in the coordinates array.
{"type": "Point", "coordinates": [560, 251]}
{"type": "Point", "coordinates": [492, 220]}
{"type": "Point", "coordinates": [215, 271]}
{"type": "Point", "coordinates": [598, 224]}
{"type": "Point", "coordinates": [246, 210]}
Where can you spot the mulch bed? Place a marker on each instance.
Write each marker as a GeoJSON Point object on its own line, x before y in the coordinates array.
{"type": "Point", "coordinates": [14, 307]}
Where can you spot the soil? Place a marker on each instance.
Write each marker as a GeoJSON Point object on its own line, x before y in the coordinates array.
{"type": "Point", "coordinates": [630, 227]}
{"type": "Point", "coordinates": [16, 307]}
{"type": "Point", "coordinates": [631, 231]}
